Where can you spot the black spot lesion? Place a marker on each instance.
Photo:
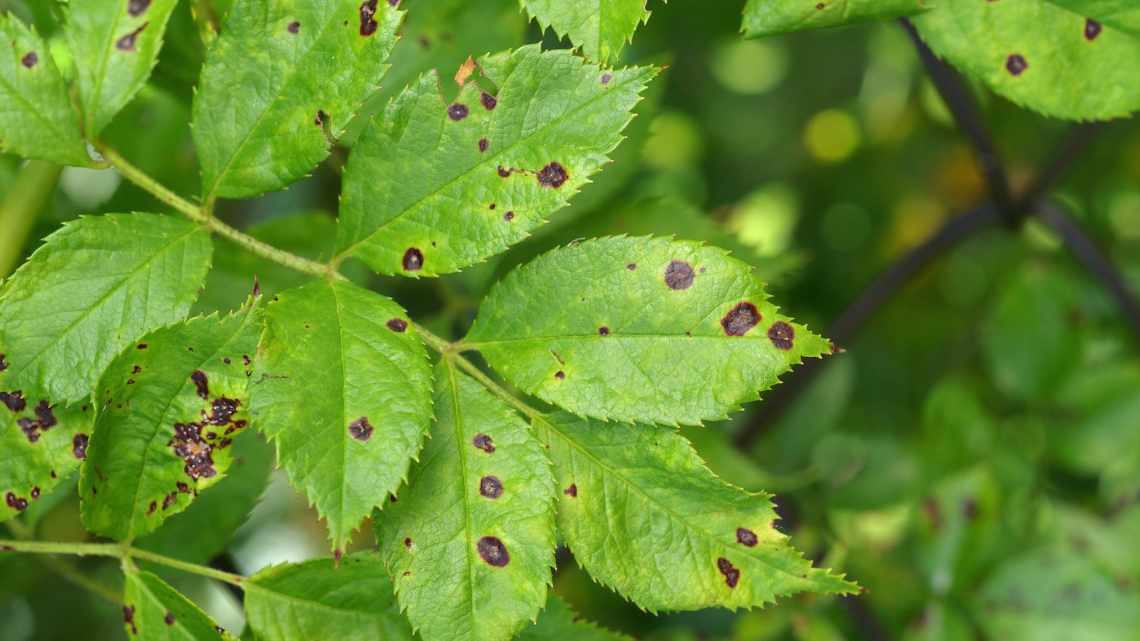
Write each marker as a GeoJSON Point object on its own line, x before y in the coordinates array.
{"type": "Point", "coordinates": [746, 537]}
{"type": "Point", "coordinates": [493, 551]}
{"type": "Point", "coordinates": [484, 442]}
{"type": "Point", "coordinates": [368, 24]}
{"type": "Point", "coordinates": [294, 27]}
{"type": "Point", "coordinates": [1092, 29]}
{"type": "Point", "coordinates": [1016, 64]}
{"type": "Point", "coordinates": [321, 119]}
{"type": "Point", "coordinates": [397, 325]}
{"type": "Point", "coordinates": [127, 42]}
{"type": "Point", "coordinates": [30, 59]}
{"type": "Point", "coordinates": [483, 145]}
{"type": "Point", "coordinates": [413, 259]}
{"type": "Point", "coordinates": [679, 275]}
{"type": "Point", "coordinates": [201, 383]}
{"type": "Point", "coordinates": [168, 618]}
{"type": "Point", "coordinates": [79, 446]}
{"type": "Point", "coordinates": [603, 331]}
{"type": "Point", "coordinates": [360, 429]}
{"type": "Point", "coordinates": [741, 318]}
{"type": "Point", "coordinates": [14, 400]}
{"type": "Point", "coordinates": [488, 101]}
{"type": "Point", "coordinates": [15, 502]}
{"type": "Point", "coordinates": [490, 487]}
{"type": "Point", "coordinates": [571, 491]}
{"type": "Point", "coordinates": [457, 111]}
{"type": "Point", "coordinates": [136, 8]}
{"type": "Point", "coordinates": [3, 363]}
{"type": "Point", "coordinates": [782, 335]}
{"type": "Point", "coordinates": [129, 618]}
{"type": "Point", "coordinates": [553, 175]}
{"type": "Point", "coordinates": [731, 574]}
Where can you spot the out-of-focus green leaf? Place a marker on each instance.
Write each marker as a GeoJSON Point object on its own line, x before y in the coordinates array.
{"type": "Point", "coordinates": [559, 623]}
{"type": "Point", "coordinates": [600, 28]}
{"type": "Point", "coordinates": [154, 611]}
{"type": "Point", "coordinates": [769, 17]}
{"type": "Point", "coordinates": [639, 329]}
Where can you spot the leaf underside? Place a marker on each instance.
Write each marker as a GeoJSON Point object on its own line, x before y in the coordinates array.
{"type": "Point", "coordinates": [770, 17]}
{"type": "Point", "coordinates": [600, 28]}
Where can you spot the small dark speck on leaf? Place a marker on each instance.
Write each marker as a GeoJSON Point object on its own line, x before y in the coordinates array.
{"type": "Point", "coordinates": [746, 537]}
{"type": "Point", "coordinates": [408, 542]}
{"type": "Point", "coordinates": [35, 492]}
{"type": "Point", "coordinates": [3, 363]}
{"type": "Point", "coordinates": [129, 618]}
{"type": "Point", "coordinates": [397, 325]}
{"type": "Point", "coordinates": [603, 331]}
{"type": "Point", "coordinates": [360, 429]}
{"type": "Point", "coordinates": [493, 551]}
{"type": "Point", "coordinates": [321, 118]}
{"type": "Point", "coordinates": [483, 442]}
{"type": "Point", "coordinates": [504, 172]}
{"type": "Point", "coordinates": [606, 78]}
{"type": "Point", "coordinates": [79, 446]}
{"type": "Point", "coordinates": [631, 267]}
{"type": "Point", "coordinates": [127, 42]}
{"type": "Point", "coordinates": [1092, 29]}
{"type": "Point", "coordinates": [509, 216]}
{"type": "Point", "coordinates": [560, 375]}
{"type": "Point", "coordinates": [457, 111]}
{"type": "Point", "coordinates": [30, 59]}
{"type": "Point", "coordinates": [490, 487]}
{"type": "Point", "coordinates": [141, 346]}
{"type": "Point", "coordinates": [201, 383]}
{"type": "Point", "coordinates": [368, 24]}
{"type": "Point", "coordinates": [413, 260]}
{"type": "Point", "coordinates": [137, 7]}
{"type": "Point", "coordinates": [679, 275]}
{"type": "Point", "coordinates": [782, 335]}
{"type": "Point", "coordinates": [152, 508]}
{"type": "Point", "coordinates": [741, 318]}
{"type": "Point", "coordinates": [483, 144]}
{"type": "Point", "coordinates": [1016, 64]}
{"type": "Point", "coordinates": [571, 491]}
{"type": "Point", "coordinates": [731, 574]}
{"type": "Point", "coordinates": [294, 27]}
{"type": "Point", "coordinates": [168, 619]}
{"type": "Point", "coordinates": [489, 101]}
{"type": "Point", "coordinates": [553, 175]}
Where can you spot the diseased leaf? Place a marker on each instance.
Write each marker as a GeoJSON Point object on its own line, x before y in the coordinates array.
{"type": "Point", "coordinates": [601, 28]}
{"type": "Point", "coordinates": [169, 409]}
{"type": "Point", "coordinates": [92, 289]}
{"type": "Point", "coordinates": [644, 516]}
{"type": "Point", "coordinates": [344, 392]}
{"type": "Point", "coordinates": [559, 623]}
{"type": "Point", "coordinates": [1118, 14]}
{"type": "Point", "coordinates": [207, 526]}
{"type": "Point", "coordinates": [1039, 55]}
{"type": "Point", "coordinates": [320, 599]}
{"type": "Point", "coordinates": [283, 80]}
{"type": "Point", "coordinates": [433, 187]}
{"type": "Point", "coordinates": [770, 17]}
{"type": "Point", "coordinates": [115, 44]}
{"type": "Point", "coordinates": [470, 542]}
{"type": "Point", "coordinates": [40, 445]}
{"type": "Point", "coordinates": [154, 611]}
{"type": "Point", "coordinates": [36, 116]}
{"type": "Point", "coordinates": [639, 329]}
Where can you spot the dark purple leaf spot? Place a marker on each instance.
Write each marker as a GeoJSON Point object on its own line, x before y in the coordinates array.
{"type": "Point", "coordinates": [631, 267]}
{"type": "Point", "coordinates": [36, 492]}
{"type": "Point", "coordinates": [603, 331]}
{"type": "Point", "coordinates": [368, 24]}
{"type": "Point", "coordinates": [560, 375]}
{"type": "Point", "coordinates": [1016, 64]}
{"type": "Point", "coordinates": [483, 442]}
{"type": "Point", "coordinates": [129, 618]}
{"type": "Point", "coordinates": [136, 369]}
{"type": "Point", "coordinates": [490, 487]}
{"type": "Point", "coordinates": [152, 508]}
{"type": "Point", "coordinates": [509, 216]}
{"type": "Point", "coordinates": [679, 275]}
{"type": "Point", "coordinates": [493, 551]}
{"type": "Point", "coordinates": [553, 175]}
{"type": "Point", "coordinates": [169, 618]}
{"type": "Point", "coordinates": [606, 78]}
{"type": "Point", "coordinates": [15, 502]}
{"type": "Point", "coordinates": [571, 491]}
{"type": "Point", "coordinates": [201, 383]}
{"type": "Point", "coordinates": [398, 325]}
{"type": "Point", "coordinates": [321, 118]}
{"type": "Point", "coordinates": [13, 400]}
{"type": "Point", "coordinates": [360, 429]}
{"type": "Point", "coordinates": [182, 487]}
{"type": "Point", "coordinates": [294, 27]}
{"type": "Point", "coordinates": [457, 111]}
{"type": "Point", "coordinates": [195, 451]}
{"type": "Point", "coordinates": [489, 101]}
{"type": "Point", "coordinates": [30, 428]}
{"type": "Point", "coordinates": [137, 7]}
{"type": "Point", "coordinates": [127, 42]}
{"type": "Point", "coordinates": [79, 446]}
{"type": "Point", "coordinates": [222, 410]}
{"type": "Point", "coordinates": [413, 260]}
{"type": "Point", "coordinates": [1092, 29]}
{"type": "Point", "coordinates": [782, 335]}
{"type": "Point", "coordinates": [504, 172]}
{"type": "Point", "coordinates": [746, 537]}
{"type": "Point", "coordinates": [30, 59]}
{"type": "Point", "coordinates": [45, 416]}
{"type": "Point", "coordinates": [731, 574]}
{"type": "Point", "coordinates": [740, 319]}
{"type": "Point", "coordinates": [483, 144]}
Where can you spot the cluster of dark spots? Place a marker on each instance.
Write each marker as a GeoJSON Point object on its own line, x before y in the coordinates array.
{"type": "Point", "coordinates": [189, 446]}
{"type": "Point", "coordinates": [169, 618]}
{"type": "Point", "coordinates": [553, 175]}
{"type": "Point", "coordinates": [13, 400]}
{"type": "Point", "coordinates": [294, 27]}
{"type": "Point", "coordinates": [413, 260]}
{"type": "Point", "coordinates": [560, 375]}
{"type": "Point", "coordinates": [493, 551]}
{"type": "Point", "coordinates": [1092, 29]}
{"type": "Point", "coordinates": [127, 42]}
{"type": "Point", "coordinates": [136, 7]}
{"type": "Point", "coordinates": [408, 542]}
{"type": "Point", "coordinates": [321, 118]}
{"type": "Point", "coordinates": [731, 574]}
{"type": "Point", "coordinates": [483, 144]}
{"type": "Point", "coordinates": [489, 101]}
{"type": "Point", "coordinates": [222, 410]}
{"type": "Point", "coordinates": [509, 216]}
{"type": "Point", "coordinates": [741, 318]}
{"type": "Point", "coordinates": [483, 442]}
{"type": "Point", "coordinates": [397, 325]}
{"type": "Point", "coordinates": [30, 428]}
{"type": "Point", "coordinates": [606, 78]}
{"type": "Point", "coordinates": [79, 446]}
{"type": "Point", "coordinates": [490, 487]}
{"type": "Point", "coordinates": [457, 111]}
{"type": "Point", "coordinates": [360, 429]}
{"type": "Point", "coordinates": [201, 383]}
{"type": "Point", "coordinates": [129, 618]}
{"type": "Point", "coordinates": [504, 172]}
{"type": "Point", "coordinates": [782, 335]}
{"type": "Point", "coordinates": [15, 502]}
{"type": "Point", "coordinates": [679, 275]}
{"type": "Point", "coordinates": [30, 59]}
{"type": "Point", "coordinates": [368, 24]}
{"type": "Point", "coordinates": [1016, 64]}
{"type": "Point", "coordinates": [571, 491]}
{"type": "Point", "coordinates": [603, 331]}
{"type": "Point", "coordinates": [45, 415]}
{"type": "Point", "coordinates": [746, 537]}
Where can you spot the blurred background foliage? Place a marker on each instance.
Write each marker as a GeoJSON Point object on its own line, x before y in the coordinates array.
{"type": "Point", "coordinates": [972, 459]}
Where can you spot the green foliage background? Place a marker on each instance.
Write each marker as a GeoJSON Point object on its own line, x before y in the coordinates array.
{"type": "Point", "coordinates": [972, 459]}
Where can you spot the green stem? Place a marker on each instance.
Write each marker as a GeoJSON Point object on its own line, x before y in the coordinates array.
{"type": "Point", "coordinates": [19, 208]}
{"type": "Point", "coordinates": [117, 551]}
{"type": "Point", "coordinates": [65, 569]}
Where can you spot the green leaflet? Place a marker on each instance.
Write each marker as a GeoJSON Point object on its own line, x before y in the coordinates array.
{"type": "Point", "coordinates": [169, 409]}
{"type": "Point", "coordinates": [1039, 55]}
{"type": "Point", "coordinates": [470, 543]}
{"type": "Point", "coordinates": [94, 287]}
{"type": "Point", "coordinates": [207, 526]}
{"type": "Point", "coordinates": [601, 28]}
{"type": "Point", "coordinates": [643, 515]}
{"type": "Point", "coordinates": [639, 329]}
{"type": "Point", "coordinates": [344, 391]}
{"type": "Point", "coordinates": [115, 44]}
{"type": "Point", "coordinates": [40, 445]}
{"type": "Point", "coordinates": [770, 17]}
{"type": "Point", "coordinates": [281, 82]}
{"type": "Point", "coordinates": [1056, 597]}
{"type": "Point", "coordinates": [559, 623]}
{"type": "Point", "coordinates": [320, 599]}
{"type": "Point", "coordinates": [154, 611]}
{"type": "Point", "coordinates": [36, 116]}
{"type": "Point", "coordinates": [1118, 14]}
{"type": "Point", "coordinates": [431, 188]}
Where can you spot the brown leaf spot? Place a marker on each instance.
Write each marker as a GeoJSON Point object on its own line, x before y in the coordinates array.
{"type": "Point", "coordinates": [201, 383]}
{"type": "Point", "coordinates": [360, 429]}
{"type": "Point", "coordinates": [79, 446]}
{"type": "Point", "coordinates": [489, 101]}
{"type": "Point", "coordinates": [731, 574]}
{"type": "Point", "coordinates": [294, 27]}
{"type": "Point", "coordinates": [408, 542]}
{"type": "Point", "coordinates": [483, 442]}
{"type": "Point", "coordinates": [553, 175]}
{"type": "Point", "coordinates": [129, 618]}
{"type": "Point", "coordinates": [457, 111]}
{"type": "Point", "coordinates": [127, 42]}
{"type": "Point", "coordinates": [679, 275]}
{"type": "Point", "coordinates": [169, 618]}
{"type": "Point", "coordinates": [15, 502]}
{"type": "Point", "coordinates": [368, 24]}
{"type": "Point", "coordinates": [746, 537]}
{"type": "Point", "coordinates": [1016, 64]}
{"type": "Point", "coordinates": [490, 487]}
{"type": "Point", "coordinates": [136, 7]}
{"type": "Point", "coordinates": [740, 319]}
{"type": "Point", "coordinates": [782, 335]}
{"type": "Point", "coordinates": [560, 375]}
{"type": "Point", "coordinates": [398, 325]}
{"type": "Point", "coordinates": [413, 260]}
{"type": "Point", "coordinates": [483, 145]}
{"type": "Point", "coordinates": [603, 331]}
{"type": "Point", "coordinates": [571, 491]}
{"type": "Point", "coordinates": [493, 551]}
{"type": "Point", "coordinates": [503, 172]}
{"type": "Point", "coordinates": [141, 346]}
{"type": "Point", "coordinates": [30, 59]}
{"type": "Point", "coordinates": [1092, 29]}
{"type": "Point", "coordinates": [509, 216]}
{"type": "Point", "coordinates": [13, 400]}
